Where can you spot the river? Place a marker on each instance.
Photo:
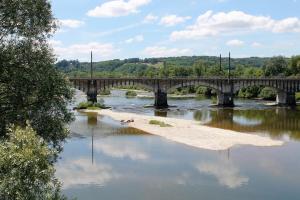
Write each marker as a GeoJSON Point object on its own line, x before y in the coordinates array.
{"type": "Point", "coordinates": [104, 160]}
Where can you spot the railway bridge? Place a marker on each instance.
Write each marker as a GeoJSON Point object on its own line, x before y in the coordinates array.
{"type": "Point", "coordinates": [224, 87]}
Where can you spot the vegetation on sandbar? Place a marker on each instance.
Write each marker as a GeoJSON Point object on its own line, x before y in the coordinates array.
{"type": "Point", "coordinates": [159, 123]}
{"type": "Point", "coordinates": [131, 93]}
{"type": "Point", "coordinates": [91, 106]}
{"type": "Point", "coordinates": [105, 92]}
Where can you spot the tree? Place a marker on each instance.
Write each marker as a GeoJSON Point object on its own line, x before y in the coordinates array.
{"type": "Point", "coordinates": [276, 66]}
{"type": "Point", "coordinates": [268, 93]}
{"type": "Point", "coordinates": [199, 68]}
{"type": "Point", "coordinates": [26, 171]}
{"type": "Point", "coordinates": [31, 88]}
{"type": "Point", "coordinates": [294, 66]}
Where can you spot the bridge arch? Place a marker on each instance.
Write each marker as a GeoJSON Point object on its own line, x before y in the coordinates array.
{"type": "Point", "coordinates": [215, 87]}
{"type": "Point", "coordinates": [284, 85]}
{"type": "Point", "coordinates": [102, 85]}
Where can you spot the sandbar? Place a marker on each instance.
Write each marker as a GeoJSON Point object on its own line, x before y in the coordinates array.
{"type": "Point", "coordinates": [190, 132]}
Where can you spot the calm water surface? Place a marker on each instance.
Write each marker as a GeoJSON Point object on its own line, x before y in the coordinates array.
{"type": "Point", "coordinates": [105, 160]}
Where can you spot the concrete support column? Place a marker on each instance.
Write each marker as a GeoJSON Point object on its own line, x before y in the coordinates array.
{"type": "Point", "coordinates": [92, 91]}
{"type": "Point", "coordinates": [225, 99]}
{"type": "Point", "coordinates": [161, 99]}
{"type": "Point", "coordinates": [286, 98]}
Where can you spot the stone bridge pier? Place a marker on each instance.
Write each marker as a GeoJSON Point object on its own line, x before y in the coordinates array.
{"type": "Point", "coordinates": [92, 91]}
{"type": "Point", "coordinates": [225, 99]}
{"type": "Point", "coordinates": [286, 98]}
{"type": "Point", "coordinates": [161, 98]}
{"type": "Point", "coordinates": [225, 96]}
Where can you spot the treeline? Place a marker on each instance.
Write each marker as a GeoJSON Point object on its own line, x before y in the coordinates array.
{"type": "Point", "coordinates": [185, 67]}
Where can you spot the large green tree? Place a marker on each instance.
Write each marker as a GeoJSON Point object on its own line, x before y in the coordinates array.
{"type": "Point", "coordinates": [31, 89]}
{"type": "Point", "coordinates": [294, 66]}
{"type": "Point", "coordinates": [276, 66]}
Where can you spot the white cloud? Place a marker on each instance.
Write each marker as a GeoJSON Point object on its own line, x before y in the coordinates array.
{"type": "Point", "coordinates": [291, 24]}
{"type": "Point", "coordinates": [116, 30]}
{"type": "Point", "coordinates": [82, 51]}
{"type": "Point", "coordinates": [150, 18]}
{"type": "Point", "coordinates": [71, 23]}
{"type": "Point", "coordinates": [172, 20]}
{"type": "Point", "coordinates": [225, 172]}
{"type": "Point", "coordinates": [212, 24]}
{"type": "Point", "coordinates": [82, 172]}
{"type": "Point", "coordinates": [138, 38]}
{"type": "Point", "coordinates": [235, 43]}
{"type": "Point", "coordinates": [256, 44]}
{"type": "Point", "coordinates": [117, 8]}
{"type": "Point", "coordinates": [161, 51]}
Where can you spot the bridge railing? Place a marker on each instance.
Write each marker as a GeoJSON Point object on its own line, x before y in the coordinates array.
{"type": "Point", "coordinates": [187, 78]}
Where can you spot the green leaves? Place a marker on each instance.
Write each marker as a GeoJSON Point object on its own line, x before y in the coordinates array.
{"type": "Point", "coordinates": [26, 19]}
{"type": "Point", "coordinates": [32, 91]}
{"type": "Point", "coordinates": [31, 88]}
{"type": "Point", "coordinates": [26, 171]}
{"type": "Point", "coordinates": [276, 66]}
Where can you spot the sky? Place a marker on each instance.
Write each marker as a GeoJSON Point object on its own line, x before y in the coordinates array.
{"type": "Point", "coordinates": [119, 29]}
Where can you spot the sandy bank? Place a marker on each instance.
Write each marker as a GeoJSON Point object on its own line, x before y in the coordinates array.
{"type": "Point", "coordinates": [190, 132]}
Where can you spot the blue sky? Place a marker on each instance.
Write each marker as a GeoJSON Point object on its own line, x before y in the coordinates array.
{"type": "Point", "coordinates": [117, 29]}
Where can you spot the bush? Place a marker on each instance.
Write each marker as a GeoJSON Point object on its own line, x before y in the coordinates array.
{"type": "Point", "coordinates": [105, 92]}
{"type": "Point", "coordinates": [205, 91]}
{"type": "Point", "coordinates": [268, 94]}
{"type": "Point", "coordinates": [298, 96]}
{"type": "Point", "coordinates": [131, 93]}
{"type": "Point", "coordinates": [183, 91]}
{"type": "Point", "coordinates": [91, 106]}
{"type": "Point", "coordinates": [132, 87]}
{"type": "Point", "coordinates": [26, 169]}
{"type": "Point", "coordinates": [161, 124]}
{"type": "Point", "coordinates": [249, 92]}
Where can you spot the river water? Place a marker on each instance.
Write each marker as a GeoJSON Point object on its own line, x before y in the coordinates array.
{"type": "Point", "coordinates": [105, 160]}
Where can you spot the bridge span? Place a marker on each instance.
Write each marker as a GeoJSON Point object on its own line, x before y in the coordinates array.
{"type": "Point", "coordinates": [224, 87]}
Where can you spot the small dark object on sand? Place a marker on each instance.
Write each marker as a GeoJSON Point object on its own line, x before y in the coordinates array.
{"type": "Point", "coordinates": [129, 121]}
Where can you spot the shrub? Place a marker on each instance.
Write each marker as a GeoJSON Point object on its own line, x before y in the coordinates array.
{"type": "Point", "coordinates": [26, 169]}
{"type": "Point", "coordinates": [131, 93]}
{"type": "Point", "coordinates": [161, 124]}
{"type": "Point", "coordinates": [105, 92]}
{"type": "Point", "coordinates": [182, 91]}
{"type": "Point", "coordinates": [268, 94]}
{"type": "Point", "coordinates": [298, 96]}
{"type": "Point", "coordinates": [249, 92]}
{"type": "Point", "coordinates": [205, 91]}
{"type": "Point", "coordinates": [91, 106]}
{"type": "Point", "coordinates": [132, 87]}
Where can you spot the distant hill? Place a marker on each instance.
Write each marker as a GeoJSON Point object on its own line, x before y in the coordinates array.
{"type": "Point", "coordinates": [136, 65]}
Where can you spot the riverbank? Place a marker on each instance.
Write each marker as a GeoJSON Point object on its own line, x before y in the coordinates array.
{"type": "Point", "coordinates": [190, 132]}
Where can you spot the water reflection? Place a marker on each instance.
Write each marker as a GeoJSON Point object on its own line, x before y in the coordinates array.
{"type": "Point", "coordinates": [105, 160]}
{"type": "Point", "coordinates": [79, 172]}
{"type": "Point", "coordinates": [120, 149]}
{"type": "Point", "coordinates": [126, 161]}
{"type": "Point", "coordinates": [276, 122]}
{"type": "Point", "coordinates": [224, 170]}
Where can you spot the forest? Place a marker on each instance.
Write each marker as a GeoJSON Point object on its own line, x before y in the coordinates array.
{"type": "Point", "coordinates": [193, 66]}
